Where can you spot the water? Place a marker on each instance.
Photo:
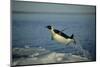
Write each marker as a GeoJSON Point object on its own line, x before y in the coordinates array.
{"type": "Point", "coordinates": [32, 33]}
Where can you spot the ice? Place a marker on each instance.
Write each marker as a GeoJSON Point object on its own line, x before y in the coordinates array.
{"type": "Point", "coordinates": [52, 57]}
{"type": "Point", "coordinates": [41, 56]}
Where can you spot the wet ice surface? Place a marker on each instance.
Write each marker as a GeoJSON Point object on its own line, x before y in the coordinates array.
{"type": "Point", "coordinates": [26, 56]}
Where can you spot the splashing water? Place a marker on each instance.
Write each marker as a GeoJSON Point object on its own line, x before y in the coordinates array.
{"type": "Point", "coordinates": [79, 47]}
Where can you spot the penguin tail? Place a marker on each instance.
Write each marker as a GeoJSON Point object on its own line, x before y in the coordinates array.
{"type": "Point", "coordinates": [72, 37]}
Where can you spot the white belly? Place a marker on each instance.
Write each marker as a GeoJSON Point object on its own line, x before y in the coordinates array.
{"type": "Point", "coordinates": [61, 39]}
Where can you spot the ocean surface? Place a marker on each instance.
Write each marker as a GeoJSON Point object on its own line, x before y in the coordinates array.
{"type": "Point", "coordinates": [29, 35]}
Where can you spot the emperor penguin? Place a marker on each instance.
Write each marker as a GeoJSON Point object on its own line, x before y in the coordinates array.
{"type": "Point", "coordinates": [60, 37]}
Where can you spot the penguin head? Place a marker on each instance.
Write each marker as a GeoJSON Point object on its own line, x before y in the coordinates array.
{"type": "Point", "coordinates": [49, 27]}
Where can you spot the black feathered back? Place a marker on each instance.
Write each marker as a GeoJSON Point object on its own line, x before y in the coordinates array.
{"type": "Point", "coordinates": [61, 33]}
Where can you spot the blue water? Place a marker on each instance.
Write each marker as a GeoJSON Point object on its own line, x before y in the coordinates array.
{"type": "Point", "coordinates": [34, 34]}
